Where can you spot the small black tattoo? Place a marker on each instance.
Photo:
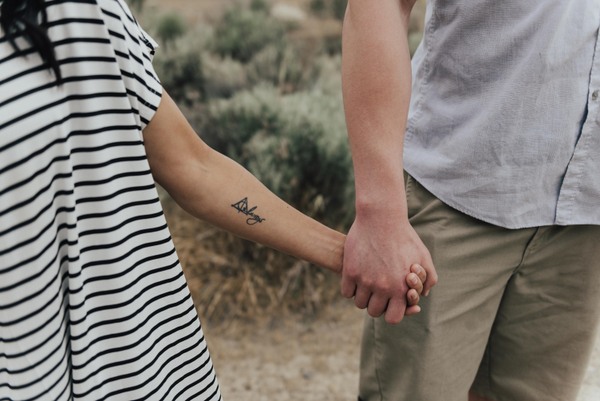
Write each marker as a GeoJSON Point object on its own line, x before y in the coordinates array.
{"type": "Point", "coordinates": [242, 207]}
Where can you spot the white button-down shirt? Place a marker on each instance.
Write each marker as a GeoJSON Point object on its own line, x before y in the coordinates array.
{"type": "Point", "coordinates": [504, 123]}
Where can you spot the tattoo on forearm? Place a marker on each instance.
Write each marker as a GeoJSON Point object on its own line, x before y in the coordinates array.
{"type": "Point", "coordinates": [242, 207]}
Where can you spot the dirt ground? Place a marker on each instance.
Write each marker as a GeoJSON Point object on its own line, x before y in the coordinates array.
{"type": "Point", "coordinates": [287, 359]}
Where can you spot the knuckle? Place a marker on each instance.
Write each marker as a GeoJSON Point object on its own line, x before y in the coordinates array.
{"type": "Point", "coordinates": [375, 312]}
{"type": "Point", "coordinates": [384, 288]}
{"type": "Point", "coordinates": [393, 319]}
{"type": "Point", "coordinates": [352, 275]}
{"type": "Point", "coordinates": [360, 305]}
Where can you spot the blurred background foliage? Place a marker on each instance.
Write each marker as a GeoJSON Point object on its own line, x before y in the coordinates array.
{"type": "Point", "coordinates": [260, 82]}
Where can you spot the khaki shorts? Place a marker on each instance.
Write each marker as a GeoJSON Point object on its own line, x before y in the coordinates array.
{"type": "Point", "coordinates": [514, 315]}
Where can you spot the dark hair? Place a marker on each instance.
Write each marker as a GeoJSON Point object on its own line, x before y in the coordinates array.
{"type": "Point", "coordinates": [22, 18]}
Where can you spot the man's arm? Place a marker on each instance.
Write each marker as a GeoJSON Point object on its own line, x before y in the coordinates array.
{"type": "Point", "coordinates": [381, 245]}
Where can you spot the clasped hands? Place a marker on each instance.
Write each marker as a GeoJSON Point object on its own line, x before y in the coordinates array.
{"type": "Point", "coordinates": [386, 269]}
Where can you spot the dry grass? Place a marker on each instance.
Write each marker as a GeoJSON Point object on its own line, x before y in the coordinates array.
{"type": "Point", "coordinates": [233, 278]}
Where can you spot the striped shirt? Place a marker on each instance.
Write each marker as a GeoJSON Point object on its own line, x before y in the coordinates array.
{"type": "Point", "coordinates": [93, 302]}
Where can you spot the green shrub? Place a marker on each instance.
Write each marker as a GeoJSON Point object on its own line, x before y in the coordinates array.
{"type": "Point", "coordinates": [183, 66]}
{"type": "Point", "coordinates": [170, 27]}
{"type": "Point", "coordinates": [181, 75]}
{"type": "Point", "coordinates": [329, 8]}
{"type": "Point", "coordinates": [338, 8]}
{"type": "Point", "coordinates": [223, 77]}
{"type": "Point", "coordinates": [283, 67]}
{"type": "Point", "coordinates": [295, 144]}
{"type": "Point", "coordinates": [259, 5]}
{"type": "Point", "coordinates": [318, 6]}
{"type": "Point", "coordinates": [227, 125]}
{"type": "Point", "coordinates": [240, 34]}
{"type": "Point", "coordinates": [328, 76]}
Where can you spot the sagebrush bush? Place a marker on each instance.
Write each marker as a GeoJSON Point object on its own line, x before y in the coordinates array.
{"type": "Point", "coordinates": [182, 75]}
{"type": "Point", "coordinates": [339, 8]}
{"type": "Point", "coordinates": [259, 5]}
{"type": "Point", "coordinates": [170, 27]}
{"type": "Point", "coordinates": [294, 144]}
{"type": "Point", "coordinates": [283, 67]}
{"type": "Point", "coordinates": [242, 33]}
{"type": "Point", "coordinates": [329, 8]}
{"type": "Point", "coordinates": [328, 78]}
{"type": "Point", "coordinates": [318, 7]}
{"type": "Point", "coordinates": [180, 66]}
{"type": "Point", "coordinates": [223, 77]}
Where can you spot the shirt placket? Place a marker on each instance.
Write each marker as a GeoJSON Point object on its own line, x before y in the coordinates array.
{"type": "Point", "coordinates": [584, 165]}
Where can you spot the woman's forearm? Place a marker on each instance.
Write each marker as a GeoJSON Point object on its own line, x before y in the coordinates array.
{"type": "Point", "coordinates": [228, 196]}
{"type": "Point", "coordinates": [218, 190]}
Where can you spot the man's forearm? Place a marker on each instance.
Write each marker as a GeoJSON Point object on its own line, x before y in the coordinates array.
{"type": "Point", "coordinates": [376, 85]}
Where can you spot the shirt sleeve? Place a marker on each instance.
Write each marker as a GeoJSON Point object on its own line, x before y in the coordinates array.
{"type": "Point", "coordinates": [135, 50]}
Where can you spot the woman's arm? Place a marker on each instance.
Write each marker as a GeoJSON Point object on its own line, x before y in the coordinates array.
{"type": "Point", "coordinates": [214, 188]}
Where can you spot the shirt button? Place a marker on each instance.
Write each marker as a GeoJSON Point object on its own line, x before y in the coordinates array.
{"type": "Point", "coordinates": [595, 95]}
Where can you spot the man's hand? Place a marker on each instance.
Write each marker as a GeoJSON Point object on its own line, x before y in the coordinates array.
{"type": "Point", "coordinates": [378, 257]}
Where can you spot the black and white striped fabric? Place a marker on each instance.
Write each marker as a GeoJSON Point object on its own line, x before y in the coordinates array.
{"type": "Point", "coordinates": [93, 302]}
